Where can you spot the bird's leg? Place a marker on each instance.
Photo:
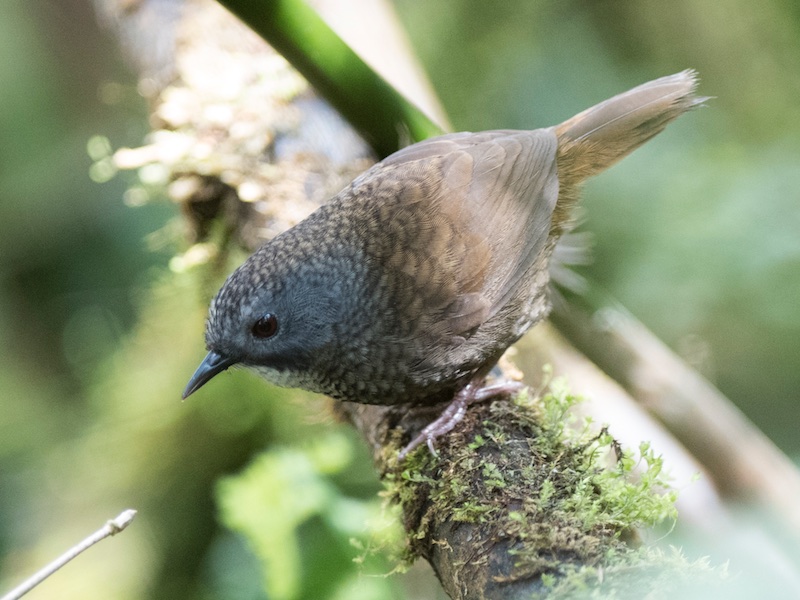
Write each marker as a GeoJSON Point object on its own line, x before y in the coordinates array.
{"type": "Point", "coordinates": [455, 411]}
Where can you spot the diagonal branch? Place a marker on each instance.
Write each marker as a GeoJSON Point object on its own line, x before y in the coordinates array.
{"type": "Point", "coordinates": [382, 116]}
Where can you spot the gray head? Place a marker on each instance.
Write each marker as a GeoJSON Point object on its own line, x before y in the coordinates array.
{"type": "Point", "coordinates": [279, 313]}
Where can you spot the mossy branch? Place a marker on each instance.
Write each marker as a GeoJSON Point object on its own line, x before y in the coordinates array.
{"type": "Point", "coordinates": [527, 501]}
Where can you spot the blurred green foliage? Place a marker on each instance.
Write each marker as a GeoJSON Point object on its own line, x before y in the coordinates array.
{"type": "Point", "coordinates": [274, 502]}
{"type": "Point", "coordinates": [696, 233]}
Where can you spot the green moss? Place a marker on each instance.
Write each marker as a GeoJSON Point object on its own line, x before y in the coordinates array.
{"type": "Point", "coordinates": [529, 473]}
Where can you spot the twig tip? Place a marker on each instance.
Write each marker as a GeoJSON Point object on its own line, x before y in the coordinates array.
{"type": "Point", "coordinates": [121, 521]}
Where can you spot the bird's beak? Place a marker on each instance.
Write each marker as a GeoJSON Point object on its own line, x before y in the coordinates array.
{"type": "Point", "coordinates": [212, 364]}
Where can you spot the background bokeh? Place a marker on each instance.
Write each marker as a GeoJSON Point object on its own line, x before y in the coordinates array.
{"type": "Point", "coordinates": [697, 234]}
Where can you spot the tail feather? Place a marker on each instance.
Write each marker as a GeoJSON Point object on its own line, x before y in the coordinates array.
{"type": "Point", "coordinates": [598, 137]}
{"type": "Point", "coordinates": [606, 132]}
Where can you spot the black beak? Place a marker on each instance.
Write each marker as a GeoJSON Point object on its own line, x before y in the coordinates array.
{"type": "Point", "coordinates": [212, 364]}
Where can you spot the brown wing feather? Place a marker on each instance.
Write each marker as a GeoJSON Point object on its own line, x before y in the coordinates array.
{"type": "Point", "coordinates": [479, 207]}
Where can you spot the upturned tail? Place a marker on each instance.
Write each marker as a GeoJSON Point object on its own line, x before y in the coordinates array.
{"type": "Point", "coordinates": [598, 137]}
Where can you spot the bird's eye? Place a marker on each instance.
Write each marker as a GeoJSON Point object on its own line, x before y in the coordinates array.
{"type": "Point", "coordinates": [266, 326]}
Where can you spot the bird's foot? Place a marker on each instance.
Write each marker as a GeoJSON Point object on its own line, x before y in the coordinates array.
{"type": "Point", "coordinates": [455, 411]}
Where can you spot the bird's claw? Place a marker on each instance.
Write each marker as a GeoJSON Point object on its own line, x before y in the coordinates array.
{"type": "Point", "coordinates": [455, 411]}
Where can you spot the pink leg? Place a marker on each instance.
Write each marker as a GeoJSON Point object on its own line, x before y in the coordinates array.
{"type": "Point", "coordinates": [456, 410]}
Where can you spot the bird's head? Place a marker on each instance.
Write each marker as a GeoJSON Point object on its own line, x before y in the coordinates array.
{"type": "Point", "coordinates": [274, 316]}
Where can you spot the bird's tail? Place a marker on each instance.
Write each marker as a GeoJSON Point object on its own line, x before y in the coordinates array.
{"type": "Point", "coordinates": [601, 135]}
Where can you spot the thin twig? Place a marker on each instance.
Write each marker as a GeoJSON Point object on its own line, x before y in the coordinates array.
{"type": "Point", "coordinates": [112, 527]}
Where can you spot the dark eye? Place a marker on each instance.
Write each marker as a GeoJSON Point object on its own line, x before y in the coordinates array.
{"type": "Point", "coordinates": [266, 326]}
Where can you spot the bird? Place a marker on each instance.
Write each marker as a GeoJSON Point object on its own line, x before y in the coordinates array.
{"type": "Point", "coordinates": [409, 284]}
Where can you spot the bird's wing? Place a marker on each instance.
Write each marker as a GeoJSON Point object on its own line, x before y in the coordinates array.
{"type": "Point", "coordinates": [480, 206]}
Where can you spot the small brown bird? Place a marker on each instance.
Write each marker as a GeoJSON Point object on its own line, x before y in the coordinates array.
{"type": "Point", "coordinates": [409, 285]}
